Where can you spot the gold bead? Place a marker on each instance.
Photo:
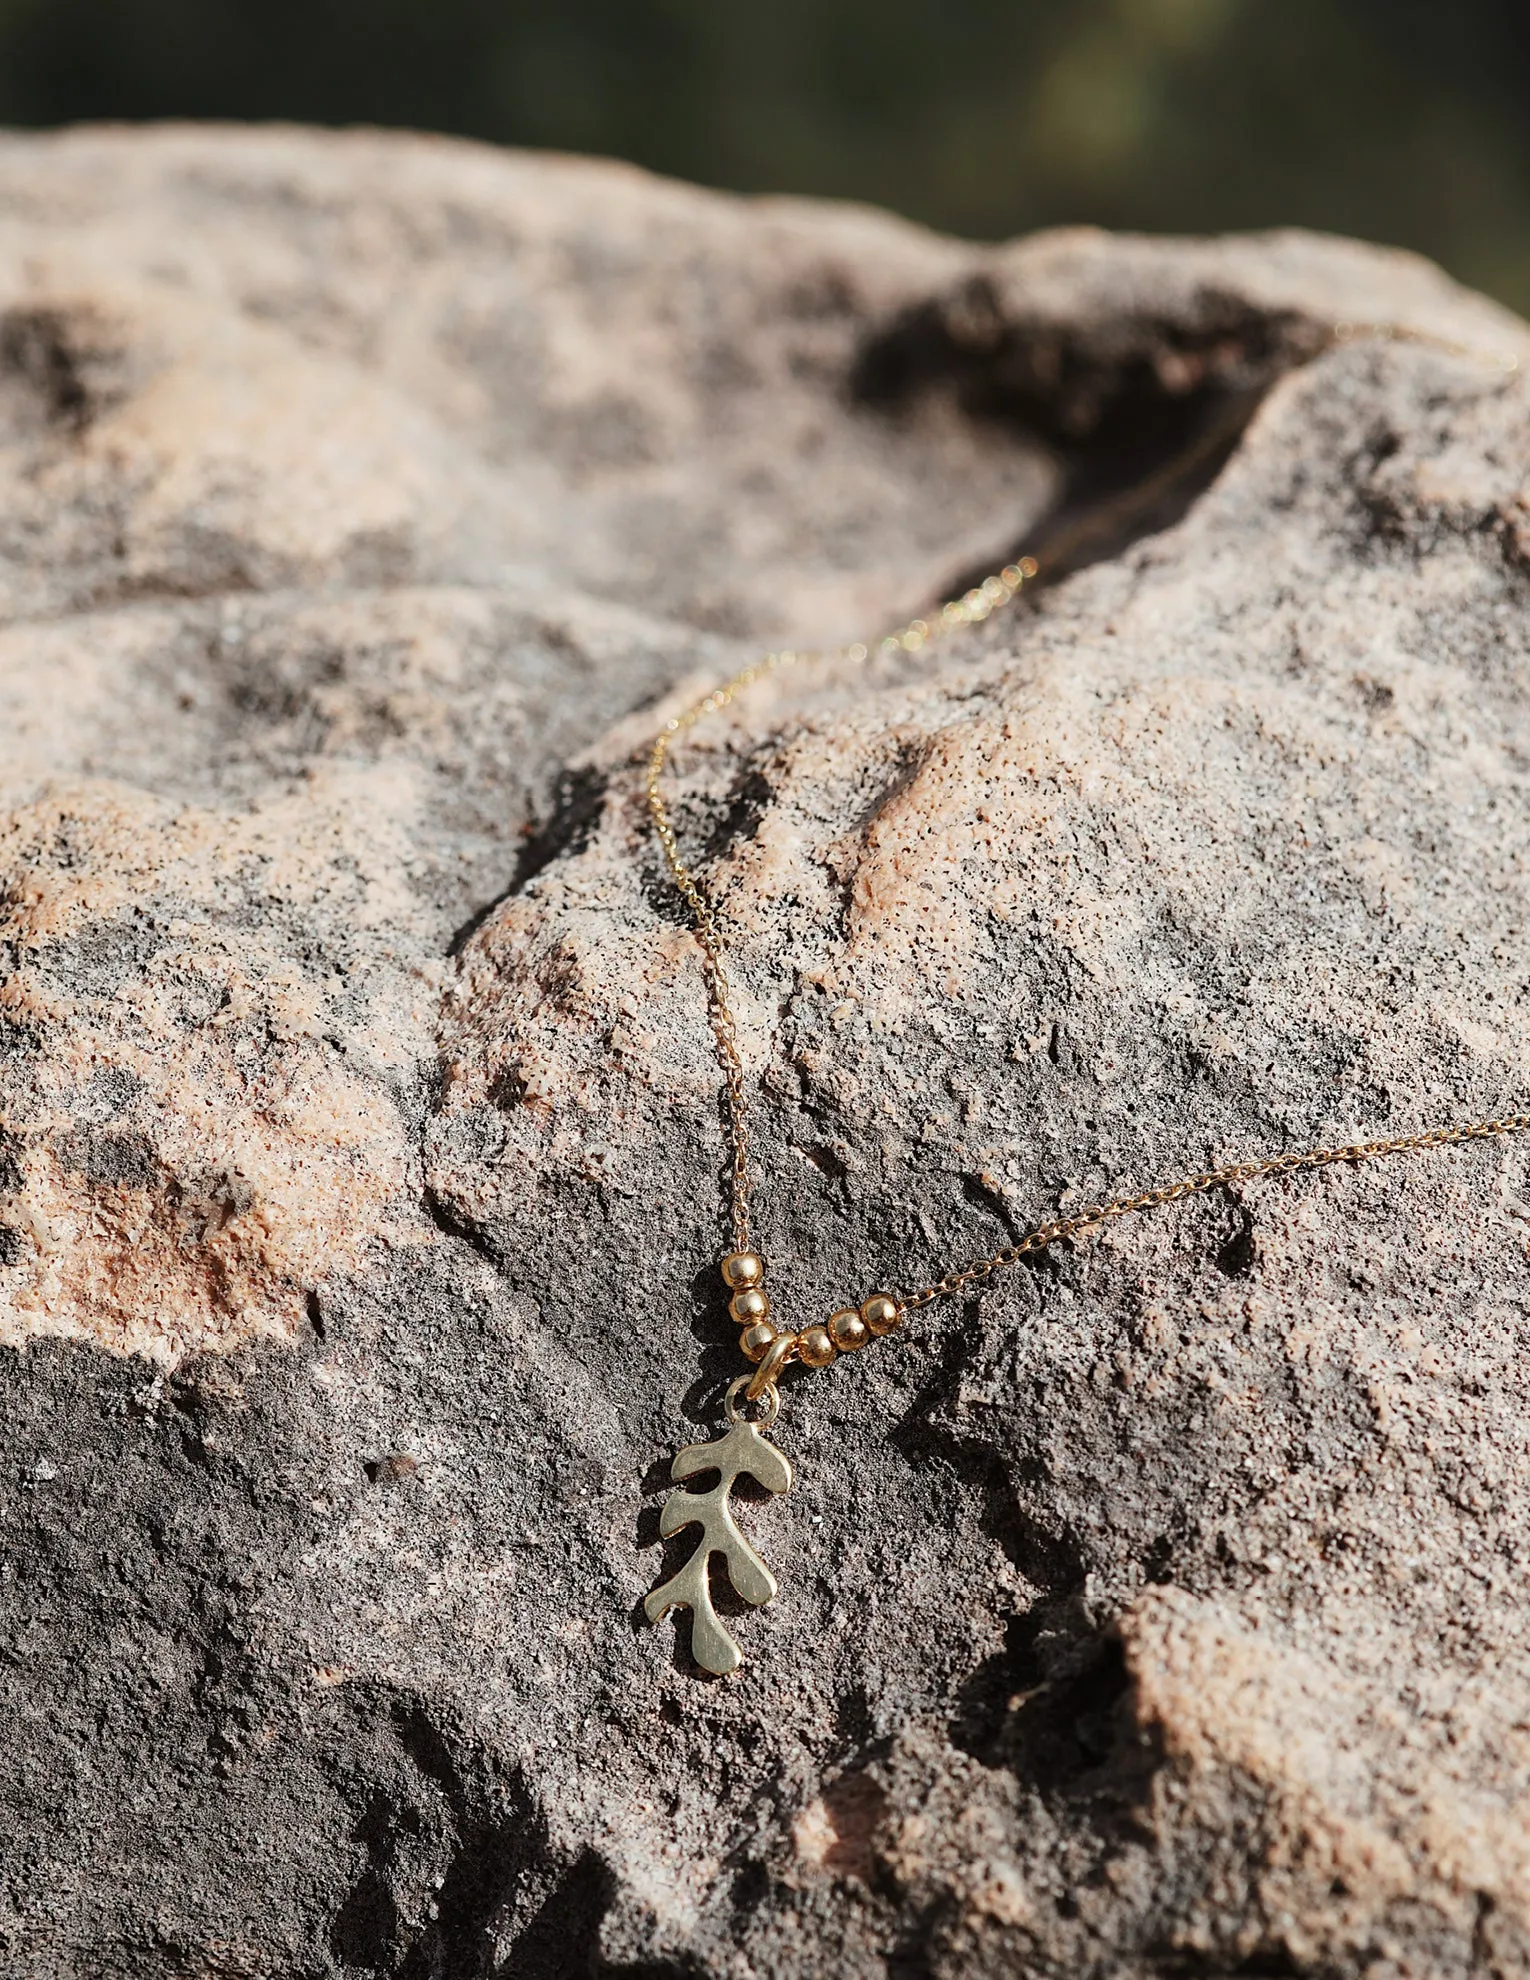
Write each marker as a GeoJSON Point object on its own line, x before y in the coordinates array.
{"type": "Point", "coordinates": [754, 1340]}
{"type": "Point", "coordinates": [743, 1268]}
{"type": "Point", "coordinates": [847, 1330]}
{"type": "Point", "coordinates": [814, 1348]}
{"type": "Point", "coordinates": [882, 1313]}
{"type": "Point", "coordinates": [749, 1305]}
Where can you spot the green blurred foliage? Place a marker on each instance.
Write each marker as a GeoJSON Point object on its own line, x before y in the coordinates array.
{"type": "Point", "coordinates": [1403, 120]}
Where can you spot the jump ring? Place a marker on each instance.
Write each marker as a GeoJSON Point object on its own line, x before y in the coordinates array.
{"type": "Point", "coordinates": [772, 1361]}
{"type": "Point", "coordinates": [769, 1396]}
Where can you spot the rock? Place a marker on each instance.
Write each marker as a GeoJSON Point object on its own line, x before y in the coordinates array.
{"type": "Point", "coordinates": [367, 502]}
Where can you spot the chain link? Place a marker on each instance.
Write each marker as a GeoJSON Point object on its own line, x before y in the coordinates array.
{"type": "Point", "coordinates": [1042, 1235]}
{"type": "Point", "coordinates": [978, 604]}
{"type": "Point", "coordinates": [971, 609]}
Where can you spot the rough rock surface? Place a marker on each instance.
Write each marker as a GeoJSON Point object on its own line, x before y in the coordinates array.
{"type": "Point", "coordinates": [364, 502]}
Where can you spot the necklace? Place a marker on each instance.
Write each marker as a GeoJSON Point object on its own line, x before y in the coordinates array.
{"type": "Point", "coordinates": [768, 1346]}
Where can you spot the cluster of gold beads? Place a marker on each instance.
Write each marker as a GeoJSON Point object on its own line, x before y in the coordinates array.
{"type": "Point", "coordinates": [850, 1328]}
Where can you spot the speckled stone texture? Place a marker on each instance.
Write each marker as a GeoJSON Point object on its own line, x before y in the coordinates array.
{"type": "Point", "coordinates": [365, 502]}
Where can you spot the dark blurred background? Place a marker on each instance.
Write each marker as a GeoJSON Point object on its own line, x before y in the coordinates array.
{"type": "Point", "coordinates": [1402, 120]}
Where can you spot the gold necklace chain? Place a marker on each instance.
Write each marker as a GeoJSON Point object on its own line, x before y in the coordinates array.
{"type": "Point", "coordinates": [764, 1343]}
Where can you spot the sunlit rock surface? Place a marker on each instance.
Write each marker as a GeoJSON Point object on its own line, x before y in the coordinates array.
{"type": "Point", "coordinates": [365, 502]}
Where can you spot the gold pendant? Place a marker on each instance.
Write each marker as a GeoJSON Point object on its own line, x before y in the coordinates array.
{"type": "Point", "coordinates": [739, 1451]}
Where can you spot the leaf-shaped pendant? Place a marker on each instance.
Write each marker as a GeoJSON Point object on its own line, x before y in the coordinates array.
{"type": "Point", "coordinates": [739, 1451]}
